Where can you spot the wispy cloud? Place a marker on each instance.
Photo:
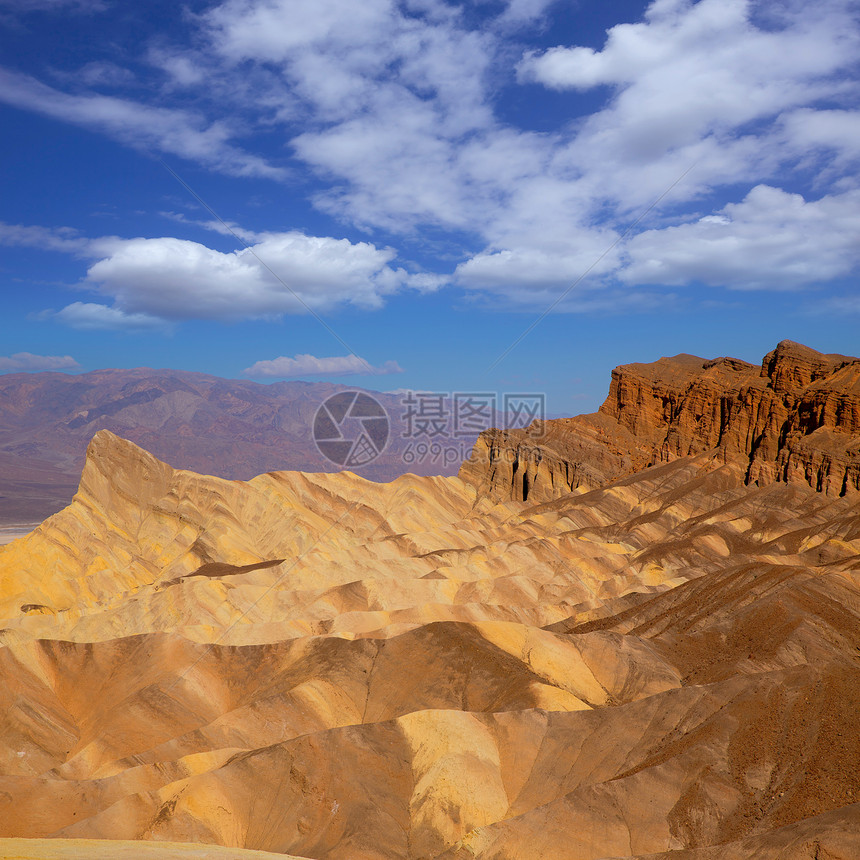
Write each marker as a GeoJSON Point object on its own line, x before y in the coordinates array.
{"type": "Point", "coordinates": [403, 122]}
{"type": "Point", "coordinates": [65, 239]}
{"type": "Point", "coordinates": [179, 132]}
{"type": "Point", "coordinates": [92, 316]}
{"type": "Point", "coordinates": [393, 108]}
{"type": "Point", "coordinates": [310, 365]}
{"type": "Point", "coordinates": [28, 362]}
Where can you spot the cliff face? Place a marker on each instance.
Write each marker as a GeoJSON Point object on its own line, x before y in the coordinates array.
{"type": "Point", "coordinates": [795, 419]}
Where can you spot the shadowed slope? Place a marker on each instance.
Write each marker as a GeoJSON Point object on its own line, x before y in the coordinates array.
{"type": "Point", "coordinates": [341, 670]}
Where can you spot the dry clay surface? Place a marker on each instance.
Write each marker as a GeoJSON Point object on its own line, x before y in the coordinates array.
{"type": "Point", "coordinates": [329, 668]}
{"type": "Point", "coordinates": [99, 849]}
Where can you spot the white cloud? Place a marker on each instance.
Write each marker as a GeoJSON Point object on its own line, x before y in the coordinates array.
{"type": "Point", "coordinates": [309, 365]}
{"type": "Point", "coordinates": [27, 361]}
{"type": "Point", "coordinates": [809, 132]}
{"type": "Point", "coordinates": [519, 11]}
{"type": "Point", "coordinates": [697, 83]}
{"type": "Point", "coordinates": [177, 279]}
{"type": "Point", "coordinates": [523, 273]}
{"type": "Point", "coordinates": [63, 239]}
{"type": "Point", "coordinates": [392, 106]}
{"type": "Point", "coordinates": [103, 74]}
{"type": "Point", "coordinates": [183, 70]}
{"type": "Point", "coordinates": [174, 131]}
{"type": "Point", "coordinates": [388, 96]}
{"type": "Point", "coordinates": [771, 240]}
{"type": "Point", "coordinates": [91, 316]}
{"type": "Point", "coordinates": [153, 281]}
{"type": "Point", "coordinates": [402, 127]}
{"type": "Point", "coordinates": [273, 29]}
{"type": "Point", "coordinates": [701, 96]}
{"type": "Point", "coordinates": [224, 228]}
{"type": "Point", "coordinates": [711, 48]}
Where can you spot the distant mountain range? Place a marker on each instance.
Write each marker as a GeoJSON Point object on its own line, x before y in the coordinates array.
{"type": "Point", "coordinates": [230, 428]}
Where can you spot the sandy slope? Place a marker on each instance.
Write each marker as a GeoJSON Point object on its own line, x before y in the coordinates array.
{"type": "Point", "coordinates": [319, 665]}
{"type": "Point", "coordinates": [92, 849]}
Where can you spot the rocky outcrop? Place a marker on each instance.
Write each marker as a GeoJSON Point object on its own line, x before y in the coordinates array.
{"type": "Point", "coordinates": [794, 419]}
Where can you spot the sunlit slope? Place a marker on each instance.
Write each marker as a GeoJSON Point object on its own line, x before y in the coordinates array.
{"type": "Point", "coordinates": [334, 669]}
{"type": "Point", "coordinates": [99, 849]}
{"type": "Point", "coordinates": [145, 548]}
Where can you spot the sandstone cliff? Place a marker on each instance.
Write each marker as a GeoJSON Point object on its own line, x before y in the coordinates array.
{"type": "Point", "coordinates": [794, 419]}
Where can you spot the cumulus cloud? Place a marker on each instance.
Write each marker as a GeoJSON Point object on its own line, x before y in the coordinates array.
{"type": "Point", "coordinates": [310, 365]}
{"type": "Point", "coordinates": [27, 361]}
{"type": "Point", "coordinates": [153, 281]}
{"type": "Point", "coordinates": [283, 273]}
{"type": "Point", "coordinates": [179, 132]}
{"type": "Point", "coordinates": [771, 240]}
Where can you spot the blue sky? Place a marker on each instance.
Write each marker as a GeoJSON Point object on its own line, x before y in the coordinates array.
{"type": "Point", "coordinates": [390, 194]}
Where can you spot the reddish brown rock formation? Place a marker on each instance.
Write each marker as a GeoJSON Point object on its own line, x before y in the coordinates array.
{"type": "Point", "coordinates": [794, 419]}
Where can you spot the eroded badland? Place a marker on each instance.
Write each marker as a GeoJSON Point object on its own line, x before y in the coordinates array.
{"type": "Point", "coordinates": [613, 636]}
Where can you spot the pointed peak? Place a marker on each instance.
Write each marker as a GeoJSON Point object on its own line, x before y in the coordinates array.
{"type": "Point", "coordinates": [116, 465]}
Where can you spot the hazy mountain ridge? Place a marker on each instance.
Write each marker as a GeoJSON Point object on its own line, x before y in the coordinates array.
{"type": "Point", "coordinates": [232, 428]}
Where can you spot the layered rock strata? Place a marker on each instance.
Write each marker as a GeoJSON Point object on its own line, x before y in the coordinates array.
{"type": "Point", "coordinates": [794, 419]}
